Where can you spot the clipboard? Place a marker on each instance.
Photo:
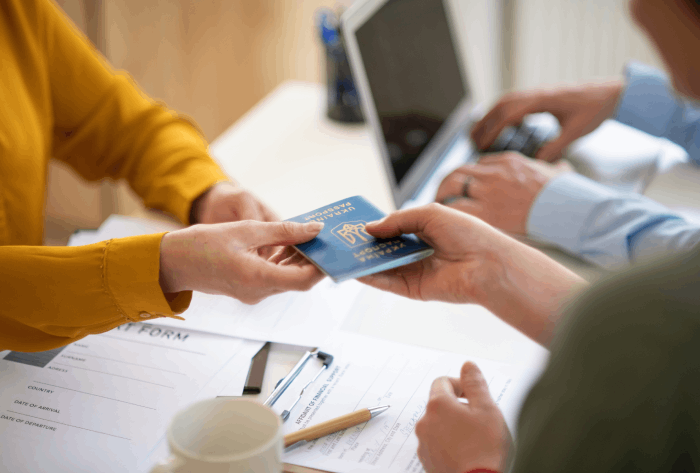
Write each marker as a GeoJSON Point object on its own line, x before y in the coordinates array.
{"type": "Point", "coordinates": [256, 372]}
{"type": "Point", "coordinates": [286, 382]}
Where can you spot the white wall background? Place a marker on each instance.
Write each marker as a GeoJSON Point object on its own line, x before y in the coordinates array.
{"type": "Point", "coordinates": [479, 35]}
{"type": "Point", "coordinates": [574, 40]}
{"type": "Point", "coordinates": [545, 42]}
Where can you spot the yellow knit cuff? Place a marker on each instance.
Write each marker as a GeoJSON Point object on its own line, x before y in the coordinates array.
{"type": "Point", "coordinates": [131, 272]}
{"type": "Point", "coordinates": [200, 179]}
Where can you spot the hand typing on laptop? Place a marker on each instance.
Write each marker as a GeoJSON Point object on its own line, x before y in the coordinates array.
{"type": "Point", "coordinates": [579, 110]}
{"type": "Point", "coordinates": [609, 228]}
{"type": "Point", "coordinates": [500, 189]}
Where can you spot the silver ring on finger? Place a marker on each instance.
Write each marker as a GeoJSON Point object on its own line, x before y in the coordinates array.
{"type": "Point", "coordinates": [465, 187]}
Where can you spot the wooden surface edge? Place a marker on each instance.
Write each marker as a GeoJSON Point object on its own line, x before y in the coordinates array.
{"type": "Point", "coordinates": [288, 468]}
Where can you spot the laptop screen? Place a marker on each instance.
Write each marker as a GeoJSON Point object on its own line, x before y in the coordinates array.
{"type": "Point", "coordinates": [413, 74]}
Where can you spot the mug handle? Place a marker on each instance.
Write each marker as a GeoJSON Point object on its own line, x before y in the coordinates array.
{"type": "Point", "coordinates": [170, 465]}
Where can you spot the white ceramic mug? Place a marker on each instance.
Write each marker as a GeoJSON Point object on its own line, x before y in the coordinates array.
{"type": "Point", "coordinates": [224, 436]}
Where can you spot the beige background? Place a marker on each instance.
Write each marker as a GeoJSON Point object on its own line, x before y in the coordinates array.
{"type": "Point", "coordinates": [214, 59]}
{"type": "Point", "coordinates": [210, 59]}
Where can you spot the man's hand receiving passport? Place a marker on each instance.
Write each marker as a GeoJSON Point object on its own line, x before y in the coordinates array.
{"type": "Point", "coordinates": [344, 250]}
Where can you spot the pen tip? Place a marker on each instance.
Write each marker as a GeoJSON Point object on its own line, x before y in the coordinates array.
{"type": "Point", "coordinates": [375, 411]}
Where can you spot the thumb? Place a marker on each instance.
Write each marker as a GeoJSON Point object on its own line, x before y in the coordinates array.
{"type": "Point", "coordinates": [389, 281]}
{"type": "Point", "coordinates": [403, 221]}
{"type": "Point", "coordinates": [284, 233]}
{"type": "Point", "coordinates": [474, 386]}
{"type": "Point", "coordinates": [554, 149]}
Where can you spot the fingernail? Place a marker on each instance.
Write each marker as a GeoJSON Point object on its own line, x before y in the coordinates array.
{"type": "Point", "coordinates": [376, 222]}
{"type": "Point", "coordinates": [449, 200]}
{"type": "Point", "coordinates": [314, 226]}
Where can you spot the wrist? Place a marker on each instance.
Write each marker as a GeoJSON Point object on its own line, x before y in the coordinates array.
{"type": "Point", "coordinates": [616, 90]}
{"type": "Point", "coordinates": [173, 274]}
{"type": "Point", "coordinates": [495, 463]}
{"type": "Point", "coordinates": [202, 201]}
{"type": "Point", "coordinates": [532, 289]}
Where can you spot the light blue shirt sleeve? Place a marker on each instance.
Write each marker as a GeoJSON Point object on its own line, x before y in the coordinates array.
{"type": "Point", "coordinates": [606, 227]}
{"type": "Point", "coordinates": [650, 104]}
{"type": "Point", "coordinates": [610, 228]}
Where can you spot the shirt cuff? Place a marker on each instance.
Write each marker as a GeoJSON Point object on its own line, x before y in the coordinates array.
{"type": "Point", "coordinates": [561, 211]}
{"type": "Point", "coordinates": [198, 179]}
{"type": "Point", "coordinates": [667, 235]}
{"type": "Point", "coordinates": [648, 103]}
{"type": "Point", "coordinates": [131, 274]}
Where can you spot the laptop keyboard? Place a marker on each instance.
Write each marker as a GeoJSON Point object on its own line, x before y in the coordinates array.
{"type": "Point", "coordinates": [525, 138]}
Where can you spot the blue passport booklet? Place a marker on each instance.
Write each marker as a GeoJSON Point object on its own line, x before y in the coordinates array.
{"type": "Point", "coordinates": [344, 250]}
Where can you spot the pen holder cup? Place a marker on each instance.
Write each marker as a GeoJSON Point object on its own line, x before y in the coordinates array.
{"type": "Point", "coordinates": [343, 101]}
{"type": "Point", "coordinates": [224, 436]}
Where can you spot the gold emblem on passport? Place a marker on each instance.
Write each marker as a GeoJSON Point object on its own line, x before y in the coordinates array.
{"type": "Point", "coordinates": [352, 233]}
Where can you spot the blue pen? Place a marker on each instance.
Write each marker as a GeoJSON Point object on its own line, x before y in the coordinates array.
{"type": "Point", "coordinates": [327, 22]}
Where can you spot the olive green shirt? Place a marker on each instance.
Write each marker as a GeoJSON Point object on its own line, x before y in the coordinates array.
{"type": "Point", "coordinates": [622, 388]}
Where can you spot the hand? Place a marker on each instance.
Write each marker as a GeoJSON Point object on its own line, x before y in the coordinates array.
{"type": "Point", "coordinates": [225, 259]}
{"type": "Point", "coordinates": [579, 109]}
{"type": "Point", "coordinates": [226, 202]}
{"type": "Point", "coordinates": [501, 188]}
{"type": "Point", "coordinates": [455, 437]}
{"type": "Point", "coordinates": [474, 262]}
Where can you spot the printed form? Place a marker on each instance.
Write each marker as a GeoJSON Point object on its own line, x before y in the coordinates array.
{"type": "Point", "coordinates": [296, 318]}
{"type": "Point", "coordinates": [104, 402]}
{"type": "Point", "coordinates": [368, 372]}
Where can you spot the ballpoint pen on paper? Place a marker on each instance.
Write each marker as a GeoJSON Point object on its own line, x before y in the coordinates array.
{"type": "Point", "coordinates": [302, 436]}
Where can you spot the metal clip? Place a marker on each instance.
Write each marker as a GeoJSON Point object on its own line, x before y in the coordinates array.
{"type": "Point", "coordinates": [285, 382]}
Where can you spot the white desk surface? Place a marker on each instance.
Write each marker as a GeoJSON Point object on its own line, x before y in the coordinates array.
{"type": "Point", "coordinates": [295, 159]}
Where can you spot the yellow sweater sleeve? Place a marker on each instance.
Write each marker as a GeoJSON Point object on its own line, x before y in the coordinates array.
{"type": "Point", "coordinates": [99, 123]}
{"type": "Point", "coordinates": [104, 126]}
{"type": "Point", "coordinates": [56, 295]}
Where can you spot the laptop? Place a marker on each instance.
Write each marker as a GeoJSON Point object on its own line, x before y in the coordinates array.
{"type": "Point", "coordinates": [412, 81]}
